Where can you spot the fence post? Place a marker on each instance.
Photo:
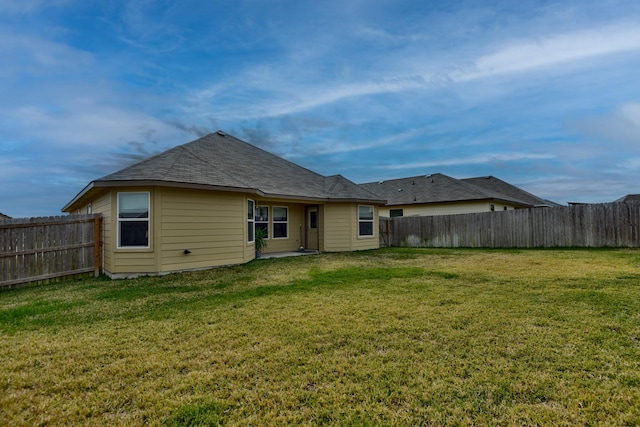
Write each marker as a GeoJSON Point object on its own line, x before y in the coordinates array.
{"type": "Point", "coordinates": [97, 240]}
{"type": "Point", "coordinates": [388, 233]}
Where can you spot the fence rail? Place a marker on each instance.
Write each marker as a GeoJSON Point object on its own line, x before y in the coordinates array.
{"type": "Point", "coordinates": [589, 225]}
{"type": "Point", "coordinates": [38, 249]}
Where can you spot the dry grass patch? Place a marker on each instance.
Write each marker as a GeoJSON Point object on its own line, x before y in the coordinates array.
{"type": "Point", "coordinates": [387, 337]}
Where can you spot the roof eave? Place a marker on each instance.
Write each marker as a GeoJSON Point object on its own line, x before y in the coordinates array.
{"type": "Point", "coordinates": [439, 202]}
{"type": "Point", "coordinates": [174, 184]}
{"type": "Point", "coordinates": [177, 184]}
{"type": "Point", "coordinates": [324, 199]}
{"type": "Point", "coordinates": [78, 196]}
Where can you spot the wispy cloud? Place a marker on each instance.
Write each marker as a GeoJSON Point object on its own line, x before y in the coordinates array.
{"type": "Point", "coordinates": [555, 49]}
{"type": "Point", "coordinates": [546, 88]}
{"type": "Point", "coordinates": [36, 56]}
{"type": "Point", "coordinates": [472, 160]}
{"type": "Point", "coordinates": [29, 6]}
{"type": "Point", "coordinates": [516, 56]}
{"type": "Point", "coordinates": [341, 146]}
{"type": "Point", "coordinates": [621, 127]}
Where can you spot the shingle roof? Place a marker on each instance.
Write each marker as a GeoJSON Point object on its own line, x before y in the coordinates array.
{"type": "Point", "coordinates": [499, 186]}
{"type": "Point", "coordinates": [222, 161]}
{"type": "Point", "coordinates": [436, 188]}
{"type": "Point", "coordinates": [628, 198]}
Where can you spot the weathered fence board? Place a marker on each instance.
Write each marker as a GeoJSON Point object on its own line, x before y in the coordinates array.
{"type": "Point", "coordinates": [588, 225]}
{"type": "Point", "coordinates": [37, 249]}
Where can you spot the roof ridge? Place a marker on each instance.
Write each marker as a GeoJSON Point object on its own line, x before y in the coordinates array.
{"type": "Point", "coordinates": [492, 194]}
{"type": "Point", "coordinates": [429, 175]}
{"type": "Point", "coordinates": [146, 160]}
{"type": "Point", "coordinates": [184, 146]}
{"type": "Point", "coordinates": [226, 135]}
{"type": "Point", "coordinates": [538, 201]}
{"type": "Point", "coordinates": [219, 160]}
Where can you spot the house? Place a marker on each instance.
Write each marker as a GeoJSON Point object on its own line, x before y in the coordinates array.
{"type": "Point", "coordinates": [3, 216]}
{"type": "Point", "coordinates": [198, 205]}
{"type": "Point", "coordinates": [439, 194]}
{"type": "Point", "coordinates": [628, 198]}
{"type": "Point", "coordinates": [499, 186]}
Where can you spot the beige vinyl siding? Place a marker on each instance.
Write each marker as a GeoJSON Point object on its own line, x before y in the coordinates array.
{"type": "Point", "coordinates": [296, 226]}
{"type": "Point", "coordinates": [338, 227]}
{"type": "Point", "coordinates": [341, 228]}
{"type": "Point", "coordinates": [321, 228]}
{"type": "Point", "coordinates": [445, 208]}
{"type": "Point", "coordinates": [211, 225]}
{"type": "Point", "coordinates": [102, 205]}
{"type": "Point", "coordinates": [365, 242]}
{"type": "Point", "coordinates": [134, 261]}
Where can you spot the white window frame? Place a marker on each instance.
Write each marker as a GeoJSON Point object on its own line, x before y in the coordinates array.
{"type": "Point", "coordinates": [274, 222]}
{"type": "Point", "coordinates": [147, 220]}
{"type": "Point", "coordinates": [258, 220]}
{"type": "Point", "coordinates": [251, 225]}
{"type": "Point", "coordinates": [372, 221]}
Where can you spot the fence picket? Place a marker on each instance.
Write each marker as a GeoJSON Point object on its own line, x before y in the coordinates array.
{"type": "Point", "coordinates": [588, 225]}
{"type": "Point", "coordinates": [37, 249]}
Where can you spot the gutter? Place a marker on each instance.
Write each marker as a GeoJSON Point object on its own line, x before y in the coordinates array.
{"type": "Point", "coordinates": [173, 184]}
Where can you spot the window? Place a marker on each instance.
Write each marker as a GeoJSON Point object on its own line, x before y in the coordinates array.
{"type": "Point", "coordinates": [492, 207]}
{"type": "Point", "coordinates": [250, 220]}
{"type": "Point", "coordinates": [89, 209]}
{"type": "Point", "coordinates": [365, 220]}
{"type": "Point", "coordinates": [133, 220]}
{"type": "Point", "coordinates": [396, 212]}
{"type": "Point", "coordinates": [262, 219]}
{"type": "Point", "coordinates": [313, 218]}
{"type": "Point", "coordinates": [280, 222]}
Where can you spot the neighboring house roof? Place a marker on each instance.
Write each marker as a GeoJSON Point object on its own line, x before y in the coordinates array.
{"type": "Point", "coordinates": [628, 198]}
{"type": "Point", "coordinates": [223, 162]}
{"type": "Point", "coordinates": [3, 216]}
{"type": "Point", "coordinates": [494, 184]}
{"type": "Point", "coordinates": [436, 188]}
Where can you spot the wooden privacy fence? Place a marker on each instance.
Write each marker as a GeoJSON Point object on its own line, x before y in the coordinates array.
{"type": "Point", "coordinates": [36, 249]}
{"type": "Point", "coordinates": [589, 225]}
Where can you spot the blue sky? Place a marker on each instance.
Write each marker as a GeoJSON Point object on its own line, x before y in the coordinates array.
{"type": "Point", "coordinates": [542, 94]}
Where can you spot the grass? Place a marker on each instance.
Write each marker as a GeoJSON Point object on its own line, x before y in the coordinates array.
{"type": "Point", "coordinates": [387, 337]}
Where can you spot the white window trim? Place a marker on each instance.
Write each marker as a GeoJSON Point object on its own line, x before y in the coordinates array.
{"type": "Point", "coordinates": [118, 220]}
{"type": "Point", "coordinates": [251, 220]}
{"type": "Point", "coordinates": [372, 221]}
{"type": "Point", "coordinates": [273, 221]}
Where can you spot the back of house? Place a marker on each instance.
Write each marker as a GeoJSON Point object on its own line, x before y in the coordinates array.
{"type": "Point", "coordinates": [198, 205]}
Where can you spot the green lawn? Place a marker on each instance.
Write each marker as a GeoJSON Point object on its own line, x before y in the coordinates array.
{"type": "Point", "coordinates": [388, 337]}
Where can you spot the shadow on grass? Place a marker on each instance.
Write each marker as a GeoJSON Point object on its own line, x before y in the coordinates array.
{"type": "Point", "coordinates": [155, 298]}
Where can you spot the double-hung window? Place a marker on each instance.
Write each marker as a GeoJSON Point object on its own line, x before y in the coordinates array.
{"type": "Point", "coordinates": [280, 222]}
{"type": "Point", "coordinates": [365, 221]}
{"type": "Point", "coordinates": [262, 219]}
{"type": "Point", "coordinates": [251, 229]}
{"type": "Point", "coordinates": [133, 220]}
